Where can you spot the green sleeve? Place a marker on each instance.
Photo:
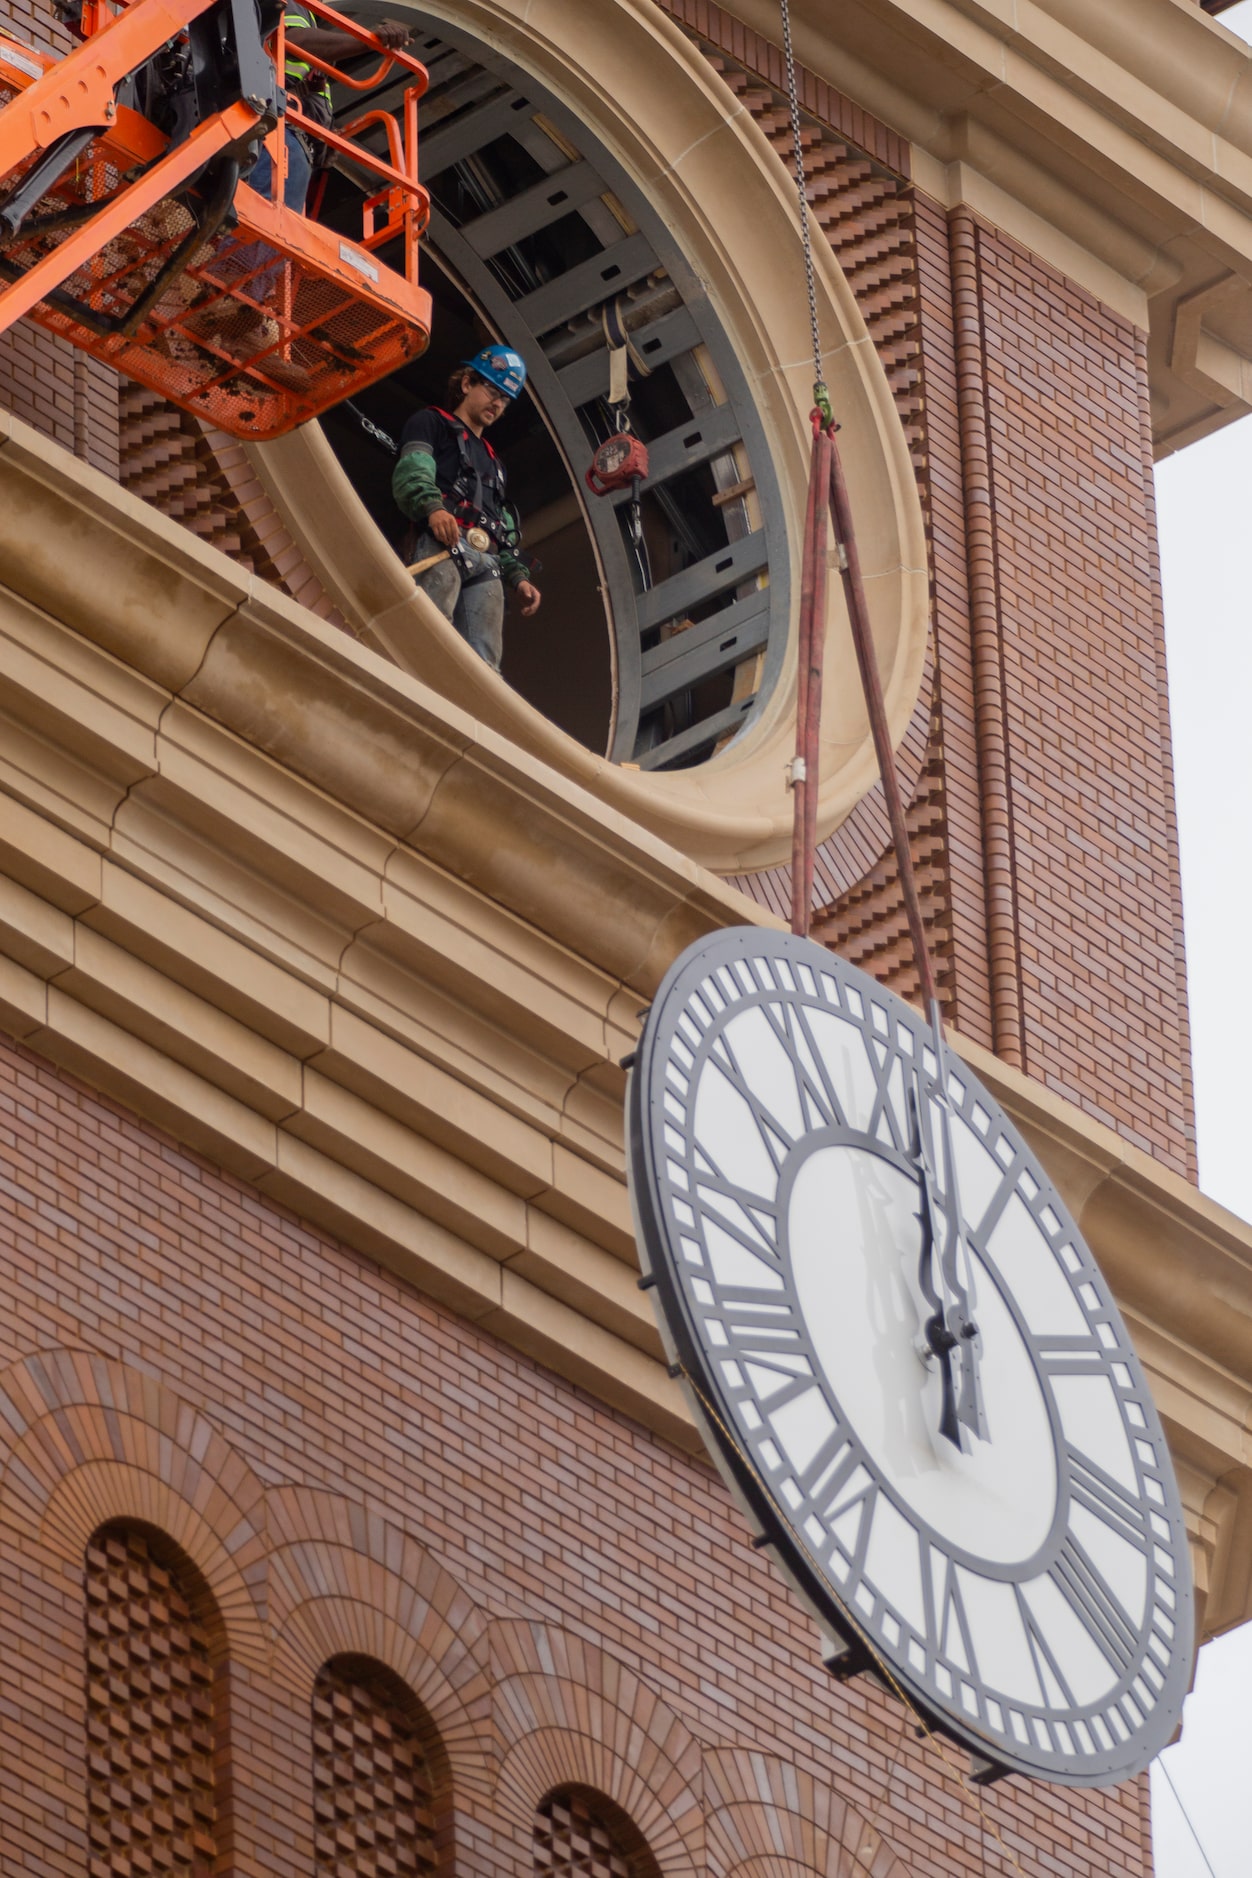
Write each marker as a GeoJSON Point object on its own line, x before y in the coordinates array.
{"type": "Point", "coordinates": [513, 570]}
{"type": "Point", "coordinates": [413, 484]}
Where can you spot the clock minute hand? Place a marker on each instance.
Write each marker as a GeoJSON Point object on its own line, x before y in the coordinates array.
{"type": "Point", "coordinates": [937, 1337]}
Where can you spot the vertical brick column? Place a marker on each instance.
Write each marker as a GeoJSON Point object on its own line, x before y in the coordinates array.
{"type": "Point", "coordinates": [1084, 914]}
{"type": "Point", "coordinates": [955, 736]}
{"type": "Point", "coordinates": [987, 669]}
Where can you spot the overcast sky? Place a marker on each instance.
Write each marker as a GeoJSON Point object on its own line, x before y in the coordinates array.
{"type": "Point", "coordinates": [1205, 504]}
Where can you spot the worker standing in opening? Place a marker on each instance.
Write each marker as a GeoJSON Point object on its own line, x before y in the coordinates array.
{"type": "Point", "coordinates": [450, 483]}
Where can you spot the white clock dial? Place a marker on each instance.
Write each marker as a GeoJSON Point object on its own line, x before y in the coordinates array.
{"type": "Point", "coordinates": [907, 1361]}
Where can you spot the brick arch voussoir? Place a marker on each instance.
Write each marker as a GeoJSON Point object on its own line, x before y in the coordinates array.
{"type": "Point", "coordinates": [567, 1713]}
{"type": "Point", "coordinates": [875, 1859]}
{"type": "Point", "coordinates": [767, 1819]}
{"type": "Point", "coordinates": [85, 1440]}
{"type": "Point", "coordinates": [344, 1582]}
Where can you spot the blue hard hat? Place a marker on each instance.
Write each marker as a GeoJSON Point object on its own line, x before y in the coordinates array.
{"type": "Point", "coordinates": [501, 367]}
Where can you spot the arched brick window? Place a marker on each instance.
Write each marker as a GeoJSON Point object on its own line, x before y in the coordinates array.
{"type": "Point", "coordinates": [581, 1834]}
{"type": "Point", "coordinates": [155, 1709]}
{"type": "Point", "coordinates": [378, 1785]}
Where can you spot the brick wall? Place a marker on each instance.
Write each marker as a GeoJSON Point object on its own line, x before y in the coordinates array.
{"type": "Point", "coordinates": [198, 476]}
{"type": "Point", "coordinates": [350, 1469]}
{"type": "Point", "coordinates": [1069, 675]}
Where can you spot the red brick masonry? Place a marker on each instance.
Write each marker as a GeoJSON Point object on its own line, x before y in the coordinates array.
{"type": "Point", "coordinates": [351, 1469]}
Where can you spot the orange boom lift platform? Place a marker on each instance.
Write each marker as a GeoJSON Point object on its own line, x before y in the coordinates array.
{"type": "Point", "coordinates": [125, 227]}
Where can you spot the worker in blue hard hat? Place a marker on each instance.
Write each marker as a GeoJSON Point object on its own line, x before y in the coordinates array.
{"type": "Point", "coordinates": [464, 544]}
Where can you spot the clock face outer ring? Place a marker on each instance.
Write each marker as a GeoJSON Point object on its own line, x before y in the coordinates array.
{"type": "Point", "coordinates": [1067, 1739]}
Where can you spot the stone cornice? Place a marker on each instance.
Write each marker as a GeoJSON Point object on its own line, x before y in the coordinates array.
{"type": "Point", "coordinates": [1114, 140]}
{"type": "Point", "coordinates": [349, 944]}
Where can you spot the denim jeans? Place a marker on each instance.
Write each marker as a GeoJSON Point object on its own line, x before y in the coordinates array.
{"type": "Point", "coordinates": [299, 171]}
{"type": "Point", "coordinates": [295, 193]}
{"type": "Point", "coordinates": [476, 609]}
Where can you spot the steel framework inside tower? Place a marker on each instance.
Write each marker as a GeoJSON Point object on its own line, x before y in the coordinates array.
{"type": "Point", "coordinates": [551, 247]}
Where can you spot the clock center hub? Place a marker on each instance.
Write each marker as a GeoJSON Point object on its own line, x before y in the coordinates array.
{"type": "Point", "coordinates": [853, 1240]}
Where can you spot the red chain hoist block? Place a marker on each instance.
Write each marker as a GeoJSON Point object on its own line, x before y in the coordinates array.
{"type": "Point", "coordinates": [617, 463]}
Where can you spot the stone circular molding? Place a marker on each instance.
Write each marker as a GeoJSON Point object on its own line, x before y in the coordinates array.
{"type": "Point", "coordinates": [707, 170]}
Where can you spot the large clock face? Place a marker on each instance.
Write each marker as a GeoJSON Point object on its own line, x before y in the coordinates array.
{"type": "Point", "coordinates": [907, 1361]}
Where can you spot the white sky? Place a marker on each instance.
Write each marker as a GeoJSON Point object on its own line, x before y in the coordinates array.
{"type": "Point", "coordinates": [1205, 503]}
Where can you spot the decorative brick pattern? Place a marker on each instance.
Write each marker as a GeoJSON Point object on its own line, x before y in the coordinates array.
{"type": "Point", "coordinates": [868, 924]}
{"type": "Point", "coordinates": [89, 1440]}
{"type": "Point", "coordinates": [765, 1816]}
{"type": "Point", "coordinates": [568, 1713]}
{"type": "Point", "coordinates": [200, 477]}
{"type": "Point", "coordinates": [577, 1835]}
{"type": "Point", "coordinates": [865, 211]}
{"type": "Point", "coordinates": [593, 1612]}
{"type": "Point", "coordinates": [374, 1795]}
{"type": "Point", "coordinates": [706, 21]}
{"type": "Point", "coordinates": [151, 1725]}
{"type": "Point", "coordinates": [325, 1549]}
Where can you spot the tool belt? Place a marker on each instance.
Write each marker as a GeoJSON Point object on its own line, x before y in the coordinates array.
{"type": "Point", "coordinates": [317, 106]}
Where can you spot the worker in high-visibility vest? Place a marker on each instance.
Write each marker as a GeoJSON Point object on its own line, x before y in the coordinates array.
{"type": "Point", "coordinates": [311, 88]}
{"type": "Point", "coordinates": [244, 332]}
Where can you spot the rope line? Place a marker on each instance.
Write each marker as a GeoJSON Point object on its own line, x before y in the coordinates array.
{"type": "Point", "coordinates": [1186, 1815]}
{"type": "Point", "coordinates": [793, 99]}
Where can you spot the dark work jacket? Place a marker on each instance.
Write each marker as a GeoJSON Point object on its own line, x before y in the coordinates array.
{"type": "Point", "coordinates": [443, 465]}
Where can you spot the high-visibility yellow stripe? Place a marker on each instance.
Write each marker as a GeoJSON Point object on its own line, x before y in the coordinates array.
{"type": "Point", "coordinates": [298, 69]}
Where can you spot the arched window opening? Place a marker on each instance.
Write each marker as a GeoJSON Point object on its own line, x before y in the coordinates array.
{"type": "Point", "coordinates": [379, 1787]}
{"type": "Point", "coordinates": [581, 1834]}
{"type": "Point", "coordinates": [155, 1708]}
{"type": "Point", "coordinates": [655, 651]}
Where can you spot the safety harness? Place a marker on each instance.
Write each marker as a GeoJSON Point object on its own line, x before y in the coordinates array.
{"type": "Point", "coordinates": [477, 498]}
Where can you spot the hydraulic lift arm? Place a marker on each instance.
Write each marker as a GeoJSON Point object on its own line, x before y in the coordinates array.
{"type": "Point", "coordinates": [76, 101]}
{"type": "Point", "coordinates": [128, 229]}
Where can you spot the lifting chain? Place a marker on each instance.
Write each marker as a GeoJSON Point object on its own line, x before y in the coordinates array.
{"type": "Point", "coordinates": [821, 397]}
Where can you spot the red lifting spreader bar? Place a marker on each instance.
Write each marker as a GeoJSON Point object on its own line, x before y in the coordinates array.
{"type": "Point", "coordinates": [227, 302]}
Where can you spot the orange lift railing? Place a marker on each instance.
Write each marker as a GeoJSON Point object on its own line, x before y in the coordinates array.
{"type": "Point", "coordinates": [141, 245]}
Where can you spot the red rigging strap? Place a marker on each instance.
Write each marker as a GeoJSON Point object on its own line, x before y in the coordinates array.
{"type": "Point", "coordinates": [871, 685]}
{"type": "Point", "coordinates": [828, 487]}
